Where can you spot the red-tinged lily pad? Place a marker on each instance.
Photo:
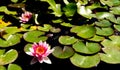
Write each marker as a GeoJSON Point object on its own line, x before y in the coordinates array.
{"type": "Point", "coordinates": [8, 57]}
{"type": "Point", "coordinates": [85, 61]}
{"type": "Point", "coordinates": [14, 67]}
{"type": "Point", "coordinates": [111, 55]}
{"type": "Point", "coordinates": [87, 48]}
{"type": "Point", "coordinates": [113, 41]}
{"type": "Point", "coordinates": [9, 40]}
{"type": "Point", "coordinates": [34, 36]}
{"type": "Point", "coordinates": [67, 40]}
{"type": "Point", "coordinates": [64, 53]}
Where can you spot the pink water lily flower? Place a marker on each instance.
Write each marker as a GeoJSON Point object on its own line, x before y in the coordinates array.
{"type": "Point", "coordinates": [25, 17]}
{"type": "Point", "coordinates": [40, 51]}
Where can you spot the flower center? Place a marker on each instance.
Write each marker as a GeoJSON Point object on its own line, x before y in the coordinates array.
{"type": "Point", "coordinates": [40, 50]}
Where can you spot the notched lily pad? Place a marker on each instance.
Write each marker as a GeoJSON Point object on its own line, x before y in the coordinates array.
{"type": "Point", "coordinates": [111, 55]}
{"type": "Point", "coordinates": [87, 48]}
{"type": "Point", "coordinates": [67, 40]}
{"type": "Point", "coordinates": [97, 38]}
{"type": "Point", "coordinates": [103, 23]}
{"type": "Point", "coordinates": [84, 31]}
{"type": "Point", "coordinates": [46, 27]}
{"type": "Point", "coordinates": [9, 57]}
{"type": "Point", "coordinates": [34, 36]}
{"type": "Point", "coordinates": [9, 40]}
{"type": "Point", "coordinates": [113, 41]}
{"type": "Point", "coordinates": [64, 53]}
{"type": "Point", "coordinates": [27, 47]}
{"type": "Point", "coordinates": [104, 31]}
{"type": "Point", "coordinates": [14, 67]}
{"type": "Point", "coordinates": [85, 61]}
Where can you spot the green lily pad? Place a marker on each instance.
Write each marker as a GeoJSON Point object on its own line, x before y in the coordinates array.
{"type": "Point", "coordinates": [107, 15]}
{"type": "Point", "coordinates": [10, 40]}
{"type": "Point", "coordinates": [104, 31]}
{"type": "Point", "coordinates": [88, 48]}
{"type": "Point", "coordinates": [64, 53]}
{"type": "Point", "coordinates": [46, 27]}
{"type": "Point", "coordinates": [27, 47]}
{"type": "Point", "coordinates": [14, 67]}
{"type": "Point", "coordinates": [97, 38]}
{"type": "Point", "coordinates": [34, 36]}
{"type": "Point", "coordinates": [2, 68]}
{"type": "Point", "coordinates": [113, 41]}
{"type": "Point", "coordinates": [84, 11]}
{"type": "Point", "coordinates": [117, 27]}
{"type": "Point", "coordinates": [9, 57]}
{"type": "Point", "coordinates": [110, 2]}
{"type": "Point", "coordinates": [55, 30]}
{"type": "Point", "coordinates": [11, 30]}
{"type": "Point", "coordinates": [85, 61]}
{"type": "Point", "coordinates": [67, 40]}
{"type": "Point", "coordinates": [103, 23]}
{"type": "Point", "coordinates": [115, 10]}
{"type": "Point", "coordinates": [5, 10]}
{"type": "Point", "coordinates": [84, 31]}
{"type": "Point", "coordinates": [66, 24]}
{"type": "Point", "coordinates": [70, 9]}
{"type": "Point", "coordinates": [15, 1]}
{"type": "Point", "coordinates": [111, 55]}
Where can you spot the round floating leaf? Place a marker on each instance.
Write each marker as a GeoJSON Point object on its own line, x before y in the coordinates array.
{"type": "Point", "coordinates": [55, 30]}
{"type": "Point", "coordinates": [14, 67]}
{"type": "Point", "coordinates": [117, 27]}
{"type": "Point", "coordinates": [9, 41]}
{"type": "Point", "coordinates": [11, 30]}
{"type": "Point", "coordinates": [87, 32]}
{"type": "Point", "coordinates": [46, 27]}
{"type": "Point", "coordinates": [115, 10]}
{"type": "Point", "coordinates": [97, 38]}
{"type": "Point", "coordinates": [27, 47]}
{"type": "Point", "coordinates": [84, 31]}
{"type": "Point", "coordinates": [9, 57]}
{"type": "Point", "coordinates": [104, 31]}
{"type": "Point", "coordinates": [64, 53]}
{"type": "Point", "coordinates": [107, 15]}
{"type": "Point", "coordinates": [2, 68]}
{"type": "Point", "coordinates": [111, 55]}
{"type": "Point", "coordinates": [88, 48]}
{"type": "Point", "coordinates": [67, 40]}
{"type": "Point", "coordinates": [85, 61]}
{"type": "Point", "coordinates": [113, 41]}
{"type": "Point", "coordinates": [103, 23]}
{"type": "Point", "coordinates": [34, 36]}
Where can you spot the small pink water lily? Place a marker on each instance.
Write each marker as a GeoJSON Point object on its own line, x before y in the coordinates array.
{"type": "Point", "coordinates": [40, 51]}
{"type": "Point", "coordinates": [25, 17]}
